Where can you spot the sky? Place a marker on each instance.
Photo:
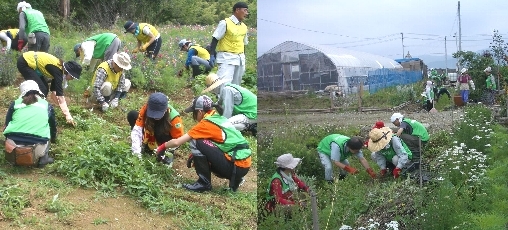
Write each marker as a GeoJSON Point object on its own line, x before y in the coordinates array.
{"type": "Point", "coordinates": [375, 26]}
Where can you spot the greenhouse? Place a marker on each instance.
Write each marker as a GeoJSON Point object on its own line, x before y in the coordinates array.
{"type": "Point", "coordinates": [298, 66]}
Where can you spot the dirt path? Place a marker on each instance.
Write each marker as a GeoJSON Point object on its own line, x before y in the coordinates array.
{"type": "Point", "coordinates": [435, 121]}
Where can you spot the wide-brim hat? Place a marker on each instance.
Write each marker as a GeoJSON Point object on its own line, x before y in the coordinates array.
{"type": "Point", "coordinates": [287, 161]}
{"type": "Point", "coordinates": [122, 60]}
{"type": "Point", "coordinates": [488, 69]}
{"type": "Point", "coordinates": [379, 138]}
{"type": "Point", "coordinates": [27, 86]}
{"type": "Point", "coordinates": [463, 70]}
{"type": "Point", "coordinates": [157, 105]}
{"type": "Point", "coordinates": [213, 81]}
{"type": "Point", "coordinates": [73, 68]}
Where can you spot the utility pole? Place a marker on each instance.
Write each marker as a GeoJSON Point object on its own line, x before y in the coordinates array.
{"type": "Point", "coordinates": [446, 58]}
{"type": "Point", "coordinates": [460, 37]}
{"type": "Point", "coordinates": [460, 31]}
{"type": "Point", "coordinates": [402, 34]}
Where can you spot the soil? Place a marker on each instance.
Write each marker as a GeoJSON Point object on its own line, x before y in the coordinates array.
{"type": "Point", "coordinates": [434, 121]}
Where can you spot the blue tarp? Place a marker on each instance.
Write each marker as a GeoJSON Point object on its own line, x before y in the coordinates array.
{"type": "Point", "coordinates": [407, 59]}
{"type": "Point", "coordinates": [384, 78]}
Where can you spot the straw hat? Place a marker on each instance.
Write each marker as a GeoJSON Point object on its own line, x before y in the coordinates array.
{"type": "Point", "coordinates": [212, 81]}
{"type": "Point", "coordinates": [379, 138]}
{"type": "Point", "coordinates": [122, 60]}
{"type": "Point", "coordinates": [287, 161]}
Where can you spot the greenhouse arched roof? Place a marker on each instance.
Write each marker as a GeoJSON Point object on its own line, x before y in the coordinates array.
{"type": "Point", "coordinates": [339, 56]}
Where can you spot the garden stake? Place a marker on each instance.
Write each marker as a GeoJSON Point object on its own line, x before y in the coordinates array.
{"type": "Point", "coordinates": [315, 218]}
{"type": "Point", "coordinates": [420, 162]}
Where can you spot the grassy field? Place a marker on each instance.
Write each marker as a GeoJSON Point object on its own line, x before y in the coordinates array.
{"type": "Point", "coordinates": [465, 162]}
{"type": "Point", "coordinates": [95, 182]}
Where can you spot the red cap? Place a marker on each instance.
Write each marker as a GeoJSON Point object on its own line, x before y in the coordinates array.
{"type": "Point", "coordinates": [378, 125]}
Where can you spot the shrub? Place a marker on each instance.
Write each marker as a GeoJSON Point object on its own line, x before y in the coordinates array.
{"type": "Point", "coordinates": [8, 69]}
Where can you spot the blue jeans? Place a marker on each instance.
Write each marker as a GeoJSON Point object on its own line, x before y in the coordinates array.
{"type": "Point", "coordinates": [465, 95]}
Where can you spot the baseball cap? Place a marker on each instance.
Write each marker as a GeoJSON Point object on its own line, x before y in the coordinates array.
{"type": "Point", "coordinates": [200, 103]}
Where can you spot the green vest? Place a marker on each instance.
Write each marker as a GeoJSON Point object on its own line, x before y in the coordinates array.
{"type": "Point", "coordinates": [172, 113]}
{"type": "Point", "coordinates": [249, 104]}
{"type": "Point", "coordinates": [491, 84]}
{"type": "Point", "coordinates": [418, 129]}
{"type": "Point", "coordinates": [202, 52]}
{"type": "Point", "coordinates": [31, 119]}
{"type": "Point", "coordinates": [390, 152]}
{"type": "Point", "coordinates": [233, 137]}
{"type": "Point", "coordinates": [35, 22]}
{"type": "Point", "coordinates": [285, 187]}
{"type": "Point", "coordinates": [102, 42]}
{"type": "Point", "coordinates": [325, 145]}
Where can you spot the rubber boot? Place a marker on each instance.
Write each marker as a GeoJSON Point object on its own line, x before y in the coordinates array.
{"type": "Point", "coordinates": [204, 175]}
{"type": "Point", "coordinates": [44, 160]}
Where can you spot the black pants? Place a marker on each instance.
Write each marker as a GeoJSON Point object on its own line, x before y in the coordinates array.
{"type": "Point", "coordinates": [153, 49]}
{"type": "Point", "coordinates": [413, 144]}
{"type": "Point", "coordinates": [220, 166]}
{"type": "Point", "coordinates": [29, 74]}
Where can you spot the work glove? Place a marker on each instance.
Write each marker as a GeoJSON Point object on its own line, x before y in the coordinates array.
{"type": "Point", "coordinates": [144, 47]}
{"type": "Point", "coordinates": [396, 173]}
{"type": "Point", "coordinates": [382, 172]}
{"type": "Point", "coordinates": [161, 149]}
{"type": "Point", "coordinates": [20, 45]}
{"type": "Point", "coordinates": [105, 106]}
{"type": "Point", "coordinates": [135, 50]}
{"type": "Point", "coordinates": [371, 173]}
{"type": "Point", "coordinates": [350, 169]}
{"type": "Point", "coordinates": [70, 121]}
{"type": "Point", "coordinates": [86, 94]}
{"type": "Point", "coordinates": [113, 103]}
{"type": "Point", "coordinates": [190, 161]}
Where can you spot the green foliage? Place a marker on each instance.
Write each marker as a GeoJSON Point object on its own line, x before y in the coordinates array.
{"type": "Point", "coordinates": [13, 198]}
{"type": "Point", "coordinates": [8, 69]}
{"type": "Point", "coordinates": [467, 190]}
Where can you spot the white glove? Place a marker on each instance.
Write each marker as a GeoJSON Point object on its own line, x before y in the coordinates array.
{"type": "Point", "coordinates": [105, 107]}
{"type": "Point", "coordinates": [114, 103]}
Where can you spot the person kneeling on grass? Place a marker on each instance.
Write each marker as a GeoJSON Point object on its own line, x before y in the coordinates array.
{"type": "Point", "coordinates": [284, 183]}
{"type": "Point", "coordinates": [388, 151]}
{"type": "Point", "coordinates": [155, 123]}
{"type": "Point", "coordinates": [338, 148]}
{"type": "Point", "coordinates": [30, 121]}
{"type": "Point", "coordinates": [216, 147]}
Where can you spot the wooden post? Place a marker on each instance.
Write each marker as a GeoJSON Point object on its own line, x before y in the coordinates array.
{"type": "Point", "coordinates": [315, 218]}
{"type": "Point", "coordinates": [360, 93]}
{"type": "Point", "coordinates": [331, 100]}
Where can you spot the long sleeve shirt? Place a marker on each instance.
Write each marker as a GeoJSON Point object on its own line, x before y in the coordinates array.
{"type": "Point", "coordinates": [285, 198]}
{"type": "Point", "coordinates": [228, 98]}
{"type": "Point", "coordinates": [100, 78]}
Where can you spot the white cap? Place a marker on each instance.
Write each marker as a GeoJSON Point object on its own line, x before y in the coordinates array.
{"type": "Point", "coordinates": [396, 116]}
{"type": "Point", "coordinates": [488, 69]}
{"type": "Point", "coordinates": [463, 70]}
